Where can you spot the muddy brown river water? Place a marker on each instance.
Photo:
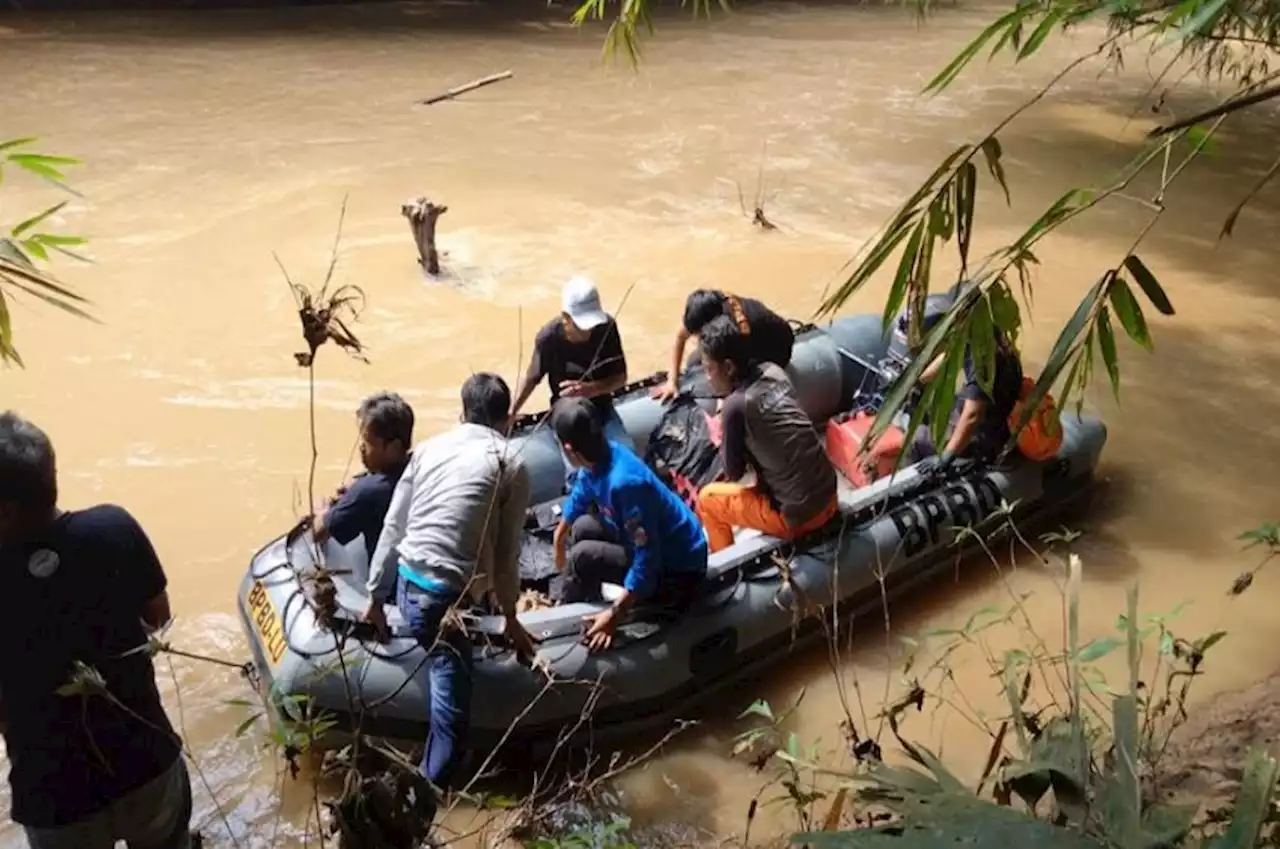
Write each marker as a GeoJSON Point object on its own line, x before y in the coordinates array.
{"type": "Point", "coordinates": [214, 139]}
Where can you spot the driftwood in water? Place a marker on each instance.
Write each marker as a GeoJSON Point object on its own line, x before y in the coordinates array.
{"type": "Point", "coordinates": [422, 215]}
{"type": "Point", "coordinates": [471, 86]}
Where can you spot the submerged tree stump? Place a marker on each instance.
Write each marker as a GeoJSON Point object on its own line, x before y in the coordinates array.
{"type": "Point", "coordinates": [422, 215]}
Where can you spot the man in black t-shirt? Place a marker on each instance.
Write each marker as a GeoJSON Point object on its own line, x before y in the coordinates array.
{"type": "Point", "coordinates": [769, 338]}
{"type": "Point", "coordinates": [386, 438]}
{"type": "Point", "coordinates": [580, 355]}
{"type": "Point", "coordinates": [979, 425]}
{"type": "Point", "coordinates": [85, 589]}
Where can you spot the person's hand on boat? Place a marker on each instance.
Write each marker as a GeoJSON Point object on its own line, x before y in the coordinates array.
{"type": "Point", "coordinates": [599, 635]}
{"type": "Point", "coordinates": [377, 617]}
{"type": "Point", "coordinates": [521, 641]}
{"type": "Point", "coordinates": [666, 391]}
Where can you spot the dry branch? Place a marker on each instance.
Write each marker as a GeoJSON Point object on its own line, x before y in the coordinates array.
{"type": "Point", "coordinates": [422, 215]}
{"type": "Point", "coordinates": [471, 86]}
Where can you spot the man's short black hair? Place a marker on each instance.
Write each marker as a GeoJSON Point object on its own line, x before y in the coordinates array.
{"type": "Point", "coordinates": [388, 417]}
{"type": "Point", "coordinates": [577, 424]}
{"type": "Point", "coordinates": [722, 341]}
{"type": "Point", "coordinates": [486, 400]}
{"type": "Point", "coordinates": [28, 476]}
{"type": "Point", "coordinates": [700, 307]}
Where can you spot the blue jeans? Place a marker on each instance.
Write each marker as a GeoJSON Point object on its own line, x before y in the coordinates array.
{"type": "Point", "coordinates": [449, 667]}
{"type": "Point", "coordinates": [614, 431]}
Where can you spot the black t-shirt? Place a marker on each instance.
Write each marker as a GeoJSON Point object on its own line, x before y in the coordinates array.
{"type": "Point", "coordinates": [558, 359]}
{"type": "Point", "coordinates": [77, 593]}
{"type": "Point", "coordinates": [993, 430]}
{"type": "Point", "coordinates": [769, 335]}
{"type": "Point", "coordinates": [362, 509]}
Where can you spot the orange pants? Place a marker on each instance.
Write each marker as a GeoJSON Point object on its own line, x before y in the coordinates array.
{"type": "Point", "coordinates": [721, 506]}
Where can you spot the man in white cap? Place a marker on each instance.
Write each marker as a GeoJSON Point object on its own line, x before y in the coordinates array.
{"type": "Point", "coordinates": [580, 355]}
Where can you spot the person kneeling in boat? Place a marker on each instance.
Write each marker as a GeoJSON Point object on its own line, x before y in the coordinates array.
{"type": "Point", "coordinates": [769, 338]}
{"type": "Point", "coordinates": [763, 426]}
{"type": "Point", "coordinates": [979, 425]}
{"type": "Point", "coordinates": [580, 354]}
{"type": "Point", "coordinates": [622, 525]}
{"type": "Point", "coordinates": [386, 438]}
{"type": "Point", "coordinates": [454, 526]}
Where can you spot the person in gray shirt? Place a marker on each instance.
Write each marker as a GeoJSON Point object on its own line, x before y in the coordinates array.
{"type": "Point", "coordinates": [452, 533]}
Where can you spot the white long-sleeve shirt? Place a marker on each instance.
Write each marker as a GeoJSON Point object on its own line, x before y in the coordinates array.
{"type": "Point", "coordinates": [456, 516]}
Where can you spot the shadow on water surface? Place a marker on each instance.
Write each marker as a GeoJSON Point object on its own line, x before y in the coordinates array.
{"type": "Point", "coordinates": [175, 19]}
{"type": "Point", "coordinates": [1085, 140]}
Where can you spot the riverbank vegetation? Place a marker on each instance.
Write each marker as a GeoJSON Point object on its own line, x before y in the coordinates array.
{"type": "Point", "coordinates": [28, 246]}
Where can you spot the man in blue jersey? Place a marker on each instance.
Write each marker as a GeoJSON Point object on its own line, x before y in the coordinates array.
{"type": "Point", "coordinates": [625, 525]}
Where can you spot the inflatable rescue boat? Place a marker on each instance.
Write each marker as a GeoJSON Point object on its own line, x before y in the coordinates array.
{"type": "Point", "coordinates": [659, 669]}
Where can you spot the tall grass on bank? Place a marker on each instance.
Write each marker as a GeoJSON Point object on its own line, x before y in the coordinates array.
{"type": "Point", "coordinates": [1075, 763]}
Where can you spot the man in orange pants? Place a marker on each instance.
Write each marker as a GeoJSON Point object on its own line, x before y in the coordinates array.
{"type": "Point", "coordinates": [763, 427]}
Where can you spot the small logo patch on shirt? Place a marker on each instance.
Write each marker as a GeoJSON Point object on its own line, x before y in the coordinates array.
{"type": "Point", "coordinates": [43, 563]}
{"type": "Point", "coordinates": [640, 537]}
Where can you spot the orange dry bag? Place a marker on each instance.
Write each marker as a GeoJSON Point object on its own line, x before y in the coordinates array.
{"type": "Point", "coordinates": [1042, 437]}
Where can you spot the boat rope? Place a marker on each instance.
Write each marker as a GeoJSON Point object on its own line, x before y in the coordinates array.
{"type": "Point", "coordinates": [246, 667]}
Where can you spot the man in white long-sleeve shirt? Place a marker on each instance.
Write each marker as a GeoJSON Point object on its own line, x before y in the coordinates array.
{"type": "Point", "coordinates": [453, 531]}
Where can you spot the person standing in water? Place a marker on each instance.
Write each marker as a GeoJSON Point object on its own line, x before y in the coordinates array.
{"type": "Point", "coordinates": [452, 532]}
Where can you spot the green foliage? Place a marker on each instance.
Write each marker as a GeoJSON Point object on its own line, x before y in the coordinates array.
{"type": "Point", "coordinates": [628, 20]}
{"type": "Point", "coordinates": [610, 835]}
{"type": "Point", "coordinates": [28, 244]}
{"type": "Point", "coordinates": [293, 727]}
{"type": "Point", "coordinates": [1081, 767]}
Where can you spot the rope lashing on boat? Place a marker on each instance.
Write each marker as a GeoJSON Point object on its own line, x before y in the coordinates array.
{"type": "Point", "coordinates": [245, 668]}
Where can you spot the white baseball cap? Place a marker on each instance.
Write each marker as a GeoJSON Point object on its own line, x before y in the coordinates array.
{"type": "Point", "coordinates": [581, 302]}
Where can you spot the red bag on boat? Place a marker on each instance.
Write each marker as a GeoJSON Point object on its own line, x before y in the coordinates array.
{"type": "Point", "coordinates": [859, 463]}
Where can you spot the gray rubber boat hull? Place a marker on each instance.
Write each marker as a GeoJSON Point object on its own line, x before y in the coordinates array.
{"type": "Point", "coordinates": [658, 671]}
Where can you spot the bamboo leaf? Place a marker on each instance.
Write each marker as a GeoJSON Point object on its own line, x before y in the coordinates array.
{"type": "Point", "coordinates": [31, 222]}
{"type": "Point", "coordinates": [896, 398]}
{"type": "Point", "coordinates": [966, 200]}
{"type": "Point", "coordinates": [42, 166]}
{"type": "Point", "coordinates": [982, 343]}
{"type": "Point", "coordinates": [12, 143]}
{"type": "Point", "coordinates": [876, 258]}
{"type": "Point", "coordinates": [1202, 16]}
{"type": "Point", "coordinates": [1064, 351]}
{"type": "Point", "coordinates": [1129, 312]}
{"type": "Point", "coordinates": [1107, 345]}
{"type": "Point", "coordinates": [991, 150]}
{"type": "Point", "coordinates": [965, 56]}
{"type": "Point", "coordinates": [1039, 34]}
{"type": "Point", "coordinates": [246, 725]}
{"type": "Point", "coordinates": [758, 708]}
{"type": "Point", "coordinates": [1098, 649]}
{"type": "Point", "coordinates": [902, 279]}
{"type": "Point", "coordinates": [1004, 310]}
{"type": "Point", "coordinates": [52, 240]}
{"type": "Point", "coordinates": [940, 396]}
{"type": "Point", "coordinates": [1150, 286]}
{"type": "Point", "coordinates": [7, 352]}
{"type": "Point", "coordinates": [33, 247]}
{"type": "Point", "coordinates": [43, 295]}
{"type": "Point", "coordinates": [1210, 641]}
{"type": "Point", "coordinates": [1229, 225]}
{"type": "Point", "coordinates": [1053, 216]}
